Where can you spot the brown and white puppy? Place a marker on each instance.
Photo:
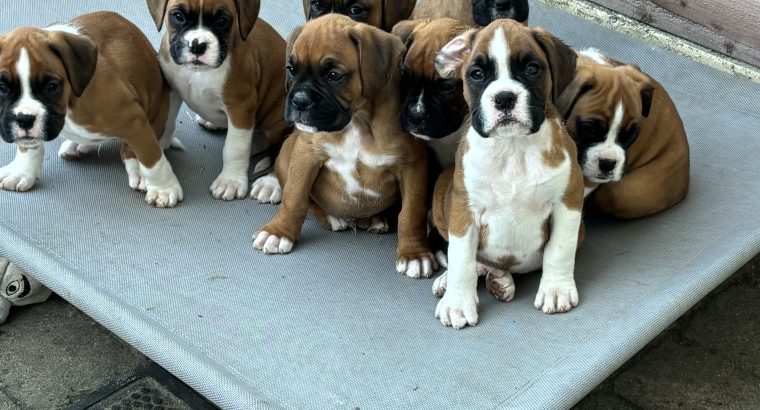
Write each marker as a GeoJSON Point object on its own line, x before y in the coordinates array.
{"type": "Point", "coordinates": [222, 61]}
{"type": "Point", "coordinates": [631, 141]}
{"type": "Point", "coordinates": [383, 14]}
{"type": "Point", "coordinates": [473, 12]}
{"type": "Point", "coordinates": [512, 204]}
{"type": "Point", "coordinates": [433, 107]}
{"type": "Point", "coordinates": [90, 81]}
{"type": "Point", "coordinates": [349, 160]}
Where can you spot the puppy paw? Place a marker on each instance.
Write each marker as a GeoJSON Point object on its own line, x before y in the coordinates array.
{"type": "Point", "coordinates": [442, 258]}
{"type": "Point", "coordinates": [272, 244]}
{"type": "Point", "coordinates": [208, 125]}
{"type": "Point", "coordinates": [229, 187]}
{"type": "Point", "coordinates": [378, 225]}
{"type": "Point", "coordinates": [16, 178]}
{"type": "Point", "coordinates": [556, 297]}
{"type": "Point", "coordinates": [72, 151]}
{"type": "Point", "coordinates": [339, 224]}
{"type": "Point", "coordinates": [500, 284]}
{"type": "Point", "coordinates": [267, 190]}
{"type": "Point", "coordinates": [135, 177]}
{"type": "Point", "coordinates": [164, 197]}
{"type": "Point", "coordinates": [458, 309]}
{"type": "Point", "coordinates": [417, 266]}
{"type": "Point", "coordinates": [439, 286]}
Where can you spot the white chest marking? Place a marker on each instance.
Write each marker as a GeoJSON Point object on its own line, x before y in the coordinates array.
{"type": "Point", "coordinates": [344, 157]}
{"type": "Point", "coordinates": [201, 90]}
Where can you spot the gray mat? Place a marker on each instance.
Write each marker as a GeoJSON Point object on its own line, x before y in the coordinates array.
{"type": "Point", "coordinates": [332, 325]}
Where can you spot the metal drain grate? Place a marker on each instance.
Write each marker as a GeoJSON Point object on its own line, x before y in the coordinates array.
{"type": "Point", "coordinates": [145, 394]}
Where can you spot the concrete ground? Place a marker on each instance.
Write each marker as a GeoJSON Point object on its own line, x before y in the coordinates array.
{"type": "Point", "coordinates": [53, 356]}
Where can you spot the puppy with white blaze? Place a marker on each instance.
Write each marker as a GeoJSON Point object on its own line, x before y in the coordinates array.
{"type": "Point", "coordinates": [512, 203]}
{"type": "Point", "coordinates": [92, 80]}
{"type": "Point", "coordinates": [223, 62]}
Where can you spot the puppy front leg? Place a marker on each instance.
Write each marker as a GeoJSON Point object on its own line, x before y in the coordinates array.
{"type": "Point", "coordinates": [557, 292]}
{"type": "Point", "coordinates": [280, 234]}
{"type": "Point", "coordinates": [22, 173]}
{"type": "Point", "coordinates": [414, 258]}
{"type": "Point", "coordinates": [459, 305]}
{"type": "Point", "coordinates": [232, 182]}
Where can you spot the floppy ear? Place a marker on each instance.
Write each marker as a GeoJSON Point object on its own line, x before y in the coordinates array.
{"type": "Point", "coordinates": [248, 13]}
{"type": "Point", "coordinates": [157, 10]}
{"type": "Point", "coordinates": [380, 56]}
{"type": "Point", "coordinates": [451, 57]}
{"type": "Point", "coordinates": [404, 30]}
{"type": "Point", "coordinates": [647, 95]}
{"type": "Point", "coordinates": [307, 9]}
{"type": "Point", "coordinates": [582, 84]}
{"type": "Point", "coordinates": [289, 50]}
{"type": "Point", "coordinates": [79, 56]}
{"type": "Point", "coordinates": [395, 11]}
{"type": "Point", "coordinates": [562, 61]}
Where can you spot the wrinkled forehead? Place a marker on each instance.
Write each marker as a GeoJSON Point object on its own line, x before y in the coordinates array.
{"type": "Point", "coordinates": [505, 41]}
{"type": "Point", "coordinates": [612, 87]}
{"type": "Point", "coordinates": [321, 45]}
{"type": "Point", "coordinates": [28, 49]}
{"type": "Point", "coordinates": [204, 6]}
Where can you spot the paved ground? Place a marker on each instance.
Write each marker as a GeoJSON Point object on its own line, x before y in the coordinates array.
{"type": "Point", "coordinates": [53, 356]}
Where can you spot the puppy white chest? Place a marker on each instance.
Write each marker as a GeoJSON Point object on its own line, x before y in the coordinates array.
{"type": "Point", "coordinates": [201, 90]}
{"type": "Point", "coordinates": [80, 134]}
{"type": "Point", "coordinates": [343, 159]}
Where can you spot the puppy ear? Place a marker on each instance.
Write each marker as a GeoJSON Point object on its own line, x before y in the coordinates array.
{"type": "Point", "coordinates": [449, 60]}
{"type": "Point", "coordinates": [157, 10]}
{"type": "Point", "coordinates": [395, 11]}
{"type": "Point", "coordinates": [79, 56]}
{"type": "Point", "coordinates": [289, 50]}
{"type": "Point", "coordinates": [583, 83]}
{"type": "Point", "coordinates": [647, 96]}
{"type": "Point", "coordinates": [307, 9]}
{"type": "Point", "coordinates": [380, 56]}
{"type": "Point", "coordinates": [404, 30]}
{"type": "Point", "coordinates": [562, 61]}
{"type": "Point", "coordinates": [248, 13]}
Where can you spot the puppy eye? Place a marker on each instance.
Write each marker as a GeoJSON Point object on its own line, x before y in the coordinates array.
{"type": "Point", "coordinates": [290, 69]}
{"type": "Point", "coordinates": [178, 17]}
{"type": "Point", "coordinates": [222, 21]}
{"type": "Point", "coordinates": [315, 5]}
{"type": "Point", "coordinates": [4, 89]}
{"type": "Point", "coordinates": [52, 88]}
{"type": "Point", "coordinates": [532, 69]}
{"type": "Point", "coordinates": [476, 74]}
{"type": "Point", "coordinates": [355, 10]}
{"type": "Point", "coordinates": [334, 77]}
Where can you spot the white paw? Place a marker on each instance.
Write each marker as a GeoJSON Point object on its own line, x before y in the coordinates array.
{"type": "Point", "coordinates": [418, 268]}
{"type": "Point", "coordinates": [72, 151]}
{"type": "Point", "coordinates": [229, 187]}
{"type": "Point", "coordinates": [556, 297]}
{"type": "Point", "coordinates": [272, 245]}
{"type": "Point", "coordinates": [164, 197]}
{"type": "Point", "coordinates": [267, 190]}
{"type": "Point", "coordinates": [378, 225]}
{"type": "Point", "coordinates": [136, 179]}
{"type": "Point", "coordinates": [338, 224]}
{"type": "Point", "coordinates": [207, 124]}
{"type": "Point", "coordinates": [500, 284]}
{"type": "Point", "coordinates": [16, 178]}
{"type": "Point", "coordinates": [442, 258]}
{"type": "Point", "coordinates": [439, 286]}
{"type": "Point", "coordinates": [458, 309]}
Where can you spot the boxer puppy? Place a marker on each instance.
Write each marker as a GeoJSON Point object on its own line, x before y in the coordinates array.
{"type": "Point", "coordinates": [349, 160]}
{"type": "Point", "coordinates": [473, 12]}
{"type": "Point", "coordinates": [223, 62]}
{"type": "Point", "coordinates": [383, 14]}
{"type": "Point", "coordinates": [90, 81]}
{"type": "Point", "coordinates": [433, 107]}
{"type": "Point", "coordinates": [631, 141]}
{"type": "Point", "coordinates": [512, 204]}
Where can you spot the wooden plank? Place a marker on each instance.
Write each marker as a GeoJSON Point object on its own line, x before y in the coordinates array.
{"type": "Point", "coordinates": [728, 26]}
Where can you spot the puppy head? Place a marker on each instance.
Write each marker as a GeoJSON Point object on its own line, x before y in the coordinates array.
{"type": "Point", "coordinates": [486, 11]}
{"type": "Point", "coordinates": [432, 107]}
{"type": "Point", "coordinates": [201, 32]}
{"type": "Point", "coordinates": [40, 71]}
{"type": "Point", "coordinates": [512, 74]}
{"type": "Point", "coordinates": [336, 68]}
{"type": "Point", "coordinates": [382, 14]}
{"type": "Point", "coordinates": [604, 108]}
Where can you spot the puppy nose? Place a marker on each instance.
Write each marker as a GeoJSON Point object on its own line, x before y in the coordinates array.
{"type": "Point", "coordinates": [505, 101]}
{"type": "Point", "coordinates": [503, 5]}
{"type": "Point", "coordinates": [417, 114]}
{"type": "Point", "coordinates": [198, 48]}
{"type": "Point", "coordinates": [302, 101]}
{"type": "Point", "coordinates": [25, 121]}
{"type": "Point", "coordinates": [607, 165]}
